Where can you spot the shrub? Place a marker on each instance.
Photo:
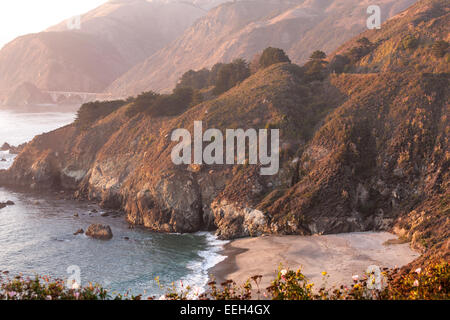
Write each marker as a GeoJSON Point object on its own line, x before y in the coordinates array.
{"type": "Point", "coordinates": [141, 102]}
{"type": "Point", "coordinates": [431, 283]}
{"type": "Point", "coordinates": [410, 42]}
{"type": "Point", "coordinates": [94, 111]}
{"type": "Point", "coordinates": [290, 285]}
{"type": "Point", "coordinates": [364, 42]}
{"type": "Point", "coordinates": [439, 48]}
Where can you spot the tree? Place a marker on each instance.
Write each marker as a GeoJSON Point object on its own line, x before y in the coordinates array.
{"type": "Point", "coordinates": [93, 111]}
{"type": "Point", "coordinates": [315, 67]}
{"type": "Point", "coordinates": [272, 56]}
{"type": "Point", "coordinates": [318, 55]}
{"type": "Point", "coordinates": [230, 75]}
{"type": "Point", "coordinates": [213, 74]}
{"type": "Point", "coordinates": [141, 103]}
{"type": "Point", "coordinates": [195, 79]}
{"type": "Point", "coordinates": [338, 63]}
{"type": "Point", "coordinates": [364, 42]}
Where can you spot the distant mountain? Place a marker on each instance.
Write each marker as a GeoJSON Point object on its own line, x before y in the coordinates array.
{"type": "Point", "coordinates": [26, 94]}
{"type": "Point", "coordinates": [139, 28]}
{"type": "Point", "coordinates": [112, 38]}
{"type": "Point", "coordinates": [243, 28]}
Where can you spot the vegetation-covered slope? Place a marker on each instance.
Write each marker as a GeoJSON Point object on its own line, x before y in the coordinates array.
{"type": "Point", "coordinates": [241, 29]}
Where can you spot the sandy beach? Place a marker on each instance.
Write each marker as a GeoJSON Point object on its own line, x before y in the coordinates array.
{"type": "Point", "coordinates": [340, 255]}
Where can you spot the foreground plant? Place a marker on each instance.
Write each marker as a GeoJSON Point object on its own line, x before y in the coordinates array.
{"type": "Point", "coordinates": [429, 283]}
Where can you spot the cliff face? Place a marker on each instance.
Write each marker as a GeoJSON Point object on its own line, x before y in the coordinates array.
{"type": "Point", "coordinates": [241, 29]}
{"type": "Point", "coordinates": [362, 150]}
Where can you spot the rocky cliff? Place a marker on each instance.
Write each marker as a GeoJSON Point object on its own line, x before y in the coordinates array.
{"type": "Point", "coordinates": [364, 149]}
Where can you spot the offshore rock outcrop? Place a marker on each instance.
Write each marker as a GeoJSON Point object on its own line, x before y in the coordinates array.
{"type": "Point", "coordinates": [98, 231]}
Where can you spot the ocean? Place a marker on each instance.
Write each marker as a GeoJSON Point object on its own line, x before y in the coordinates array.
{"type": "Point", "coordinates": [37, 233]}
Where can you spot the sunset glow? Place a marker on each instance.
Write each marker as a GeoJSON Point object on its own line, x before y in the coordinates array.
{"type": "Point", "coordinates": [19, 17]}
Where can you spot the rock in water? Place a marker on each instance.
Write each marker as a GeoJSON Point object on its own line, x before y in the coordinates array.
{"type": "Point", "coordinates": [7, 203]}
{"type": "Point", "coordinates": [5, 147]}
{"type": "Point", "coordinates": [98, 231]}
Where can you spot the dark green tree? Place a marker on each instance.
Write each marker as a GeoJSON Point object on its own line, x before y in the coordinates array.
{"type": "Point", "coordinates": [93, 111]}
{"type": "Point", "coordinates": [271, 56]}
{"type": "Point", "coordinates": [195, 79]}
{"type": "Point", "coordinates": [364, 42]}
{"type": "Point", "coordinates": [318, 55]}
{"type": "Point", "coordinates": [316, 66]}
{"type": "Point", "coordinates": [230, 74]}
{"type": "Point", "coordinates": [141, 103]}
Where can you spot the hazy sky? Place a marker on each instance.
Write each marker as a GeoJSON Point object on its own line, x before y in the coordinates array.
{"type": "Point", "coordinates": [19, 17]}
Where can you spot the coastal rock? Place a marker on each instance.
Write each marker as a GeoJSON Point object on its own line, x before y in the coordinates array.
{"type": "Point", "coordinates": [349, 133]}
{"type": "Point", "coordinates": [18, 149]}
{"type": "Point", "coordinates": [79, 231]}
{"type": "Point", "coordinates": [6, 203]}
{"type": "Point", "coordinates": [234, 221]}
{"type": "Point", "coordinates": [98, 231]}
{"type": "Point", "coordinates": [5, 147]}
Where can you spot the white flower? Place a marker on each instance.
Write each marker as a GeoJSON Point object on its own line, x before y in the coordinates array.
{"type": "Point", "coordinates": [75, 285]}
{"type": "Point", "coordinates": [418, 270]}
{"type": "Point", "coordinates": [283, 272]}
{"type": "Point", "coordinates": [416, 283]}
{"type": "Point", "coordinates": [355, 277]}
{"type": "Point", "coordinates": [48, 298]}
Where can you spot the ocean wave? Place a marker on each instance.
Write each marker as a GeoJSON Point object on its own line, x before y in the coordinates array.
{"type": "Point", "coordinates": [210, 257]}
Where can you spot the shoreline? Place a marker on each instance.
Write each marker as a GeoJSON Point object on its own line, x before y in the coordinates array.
{"type": "Point", "coordinates": [340, 255]}
{"type": "Point", "coordinates": [228, 266]}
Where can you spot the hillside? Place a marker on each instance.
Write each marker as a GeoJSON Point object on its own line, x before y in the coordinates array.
{"type": "Point", "coordinates": [111, 39]}
{"type": "Point", "coordinates": [242, 29]}
{"type": "Point", "coordinates": [363, 146]}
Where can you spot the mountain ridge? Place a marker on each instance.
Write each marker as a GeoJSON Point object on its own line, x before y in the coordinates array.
{"type": "Point", "coordinates": [244, 28]}
{"type": "Point", "coordinates": [111, 39]}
